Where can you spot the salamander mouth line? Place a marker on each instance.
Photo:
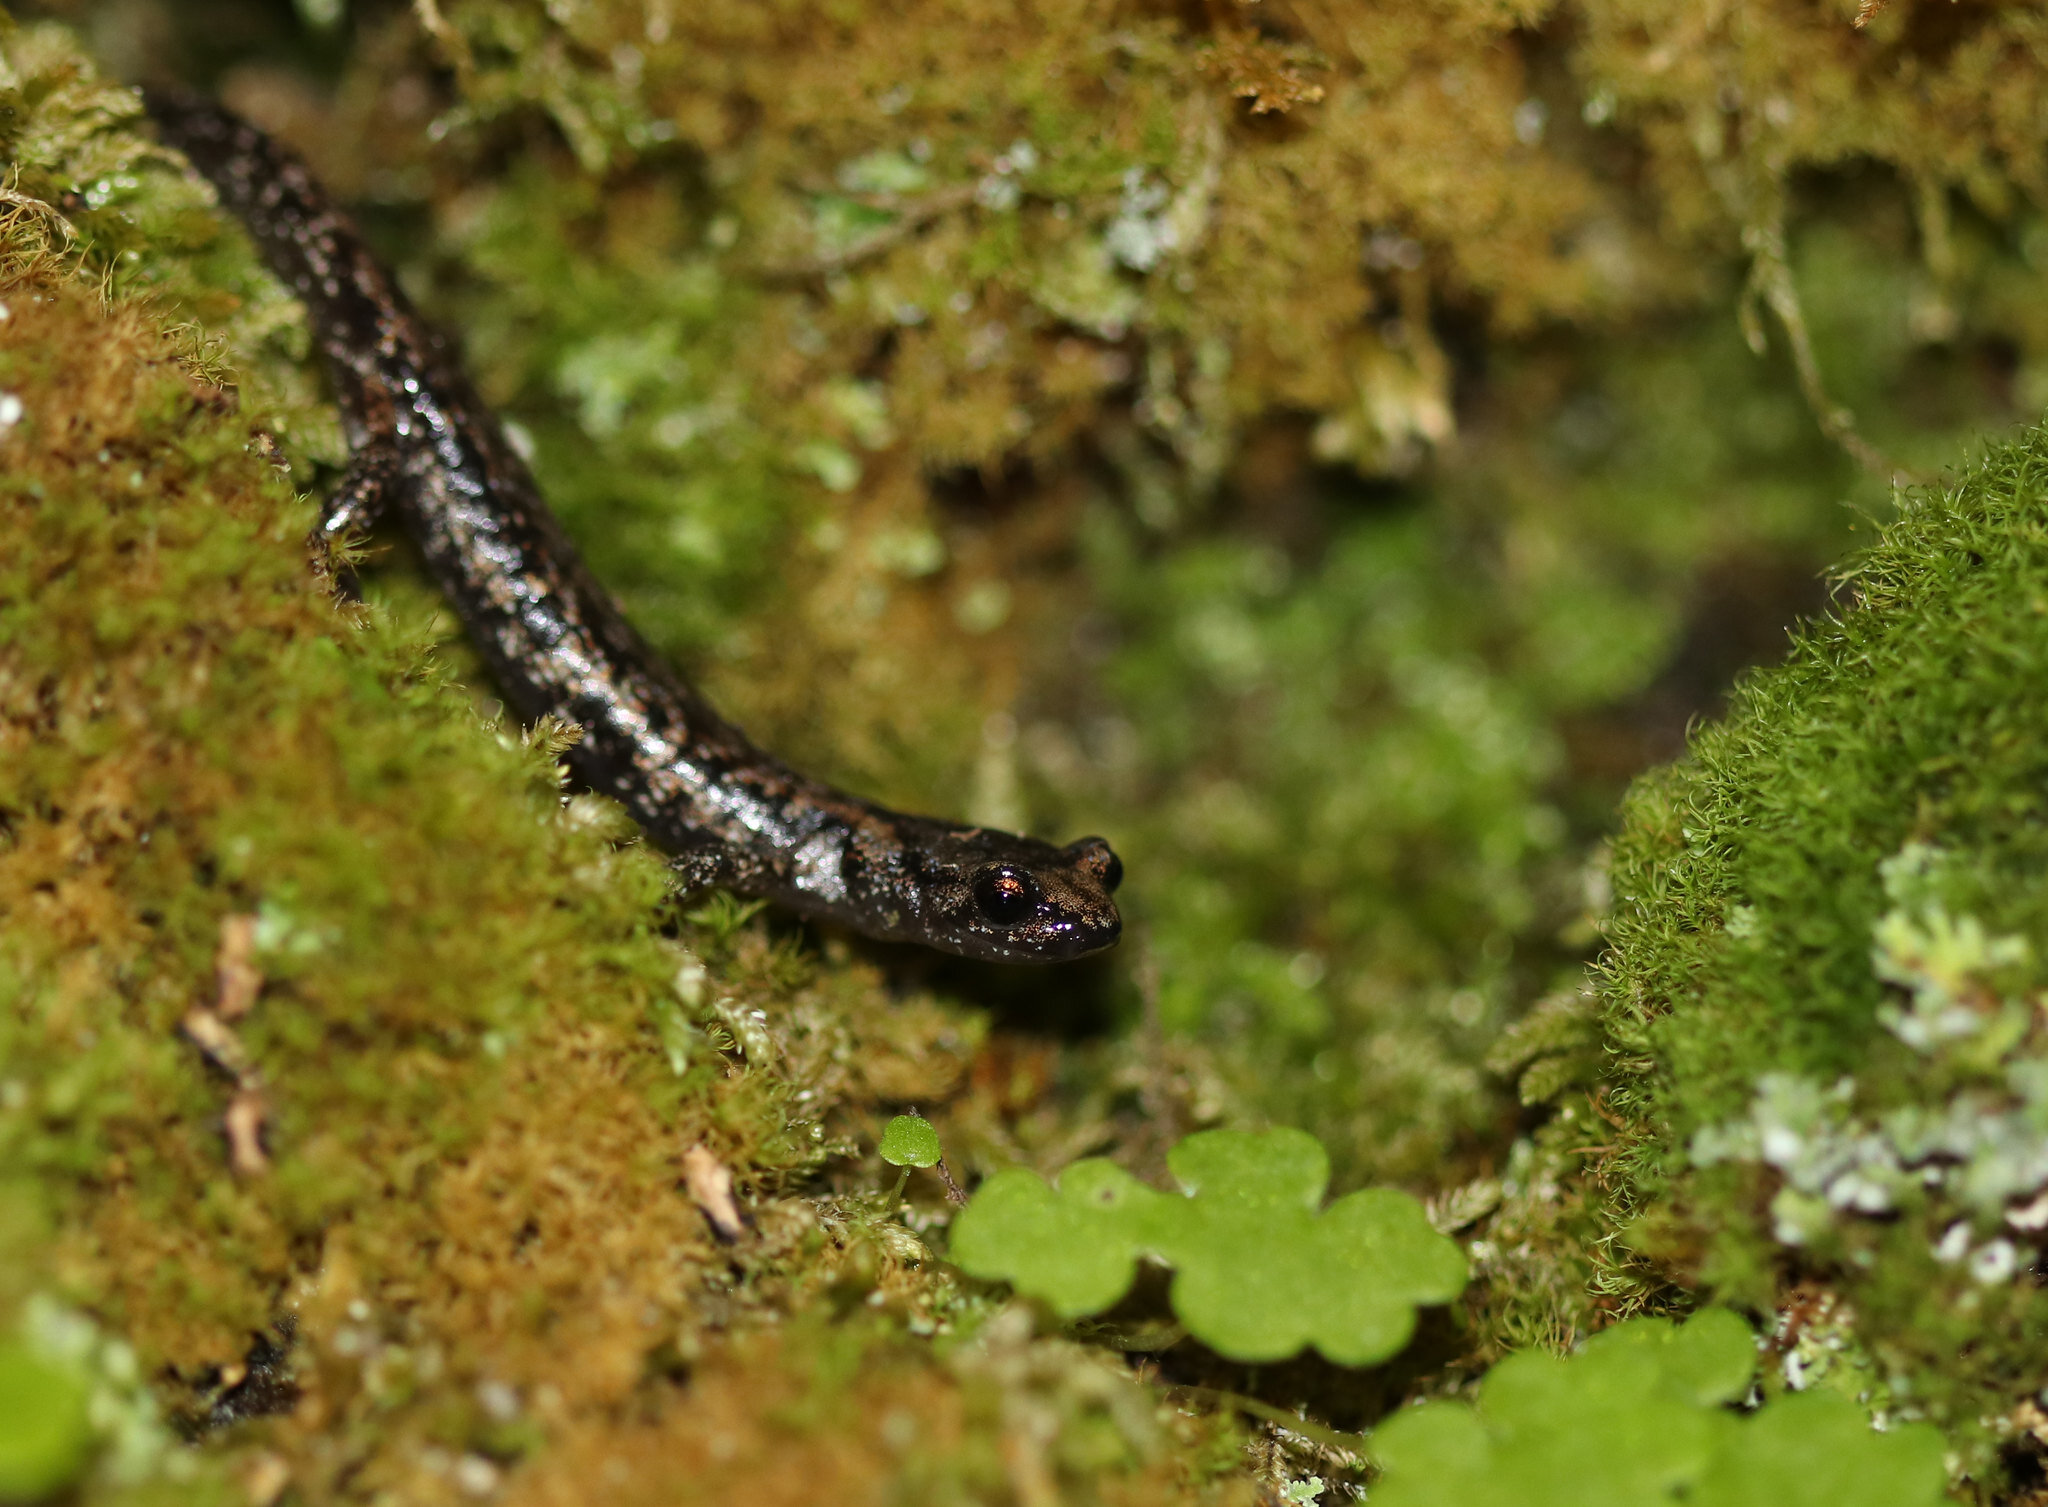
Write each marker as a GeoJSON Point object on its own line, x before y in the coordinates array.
{"type": "Point", "coordinates": [424, 447]}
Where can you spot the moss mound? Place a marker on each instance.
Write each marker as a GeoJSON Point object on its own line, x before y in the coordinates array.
{"type": "Point", "coordinates": [321, 1007]}
{"type": "Point", "coordinates": [1825, 984]}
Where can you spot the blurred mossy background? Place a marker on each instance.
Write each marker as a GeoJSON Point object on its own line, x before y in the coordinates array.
{"type": "Point", "coordinates": [1329, 449]}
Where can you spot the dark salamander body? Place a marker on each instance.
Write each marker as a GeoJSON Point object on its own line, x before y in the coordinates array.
{"type": "Point", "coordinates": [423, 444]}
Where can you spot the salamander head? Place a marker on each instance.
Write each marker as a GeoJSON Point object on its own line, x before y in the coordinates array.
{"type": "Point", "coordinates": [1006, 899]}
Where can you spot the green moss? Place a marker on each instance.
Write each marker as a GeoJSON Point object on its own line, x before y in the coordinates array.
{"type": "Point", "coordinates": [480, 1032]}
{"type": "Point", "coordinates": [763, 301]}
{"type": "Point", "coordinates": [1821, 988]}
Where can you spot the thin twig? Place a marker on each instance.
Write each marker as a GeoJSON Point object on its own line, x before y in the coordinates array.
{"type": "Point", "coordinates": [10, 193]}
{"type": "Point", "coordinates": [912, 216]}
{"type": "Point", "coordinates": [1771, 284]}
{"type": "Point", "coordinates": [1335, 1439]}
{"type": "Point", "coordinates": [237, 982]}
{"type": "Point", "coordinates": [709, 1183]}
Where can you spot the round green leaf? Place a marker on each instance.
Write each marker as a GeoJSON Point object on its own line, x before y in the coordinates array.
{"type": "Point", "coordinates": [1076, 1248]}
{"type": "Point", "coordinates": [1633, 1420]}
{"type": "Point", "coordinates": [910, 1141]}
{"type": "Point", "coordinates": [1439, 1455]}
{"type": "Point", "coordinates": [1710, 1358]}
{"type": "Point", "coordinates": [45, 1437]}
{"type": "Point", "coordinates": [1246, 1289]}
{"type": "Point", "coordinates": [1258, 1273]}
{"type": "Point", "coordinates": [1277, 1168]}
{"type": "Point", "coordinates": [1438, 1441]}
{"type": "Point", "coordinates": [1124, 1205]}
{"type": "Point", "coordinates": [1381, 1259]}
{"type": "Point", "coordinates": [1817, 1449]}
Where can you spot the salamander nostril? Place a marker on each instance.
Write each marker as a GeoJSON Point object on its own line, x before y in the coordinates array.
{"type": "Point", "coordinates": [1093, 855]}
{"type": "Point", "coordinates": [1005, 895]}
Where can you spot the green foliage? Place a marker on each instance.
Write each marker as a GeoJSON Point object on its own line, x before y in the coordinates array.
{"type": "Point", "coordinates": [481, 1030]}
{"type": "Point", "coordinates": [133, 217]}
{"type": "Point", "coordinates": [1637, 1418]}
{"type": "Point", "coordinates": [774, 295]}
{"type": "Point", "coordinates": [1259, 1272]}
{"type": "Point", "coordinates": [770, 339]}
{"type": "Point", "coordinates": [910, 1141]}
{"type": "Point", "coordinates": [1076, 1248]}
{"type": "Point", "coordinates": [1816, 1449]}
{"type": "Point", "coordinates": [45, 1437]}
{"type": "Point", "coordinates": [1822, 997]}
{"type": "Point", "coordinates": [126, 1438]}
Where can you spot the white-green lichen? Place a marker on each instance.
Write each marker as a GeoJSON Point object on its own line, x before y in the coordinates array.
{"type": "Point", "coordinates": [1979, 1146]}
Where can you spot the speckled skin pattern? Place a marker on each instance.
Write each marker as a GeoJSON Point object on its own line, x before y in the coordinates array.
{"type": "Point", "coordinates": [424, 445]}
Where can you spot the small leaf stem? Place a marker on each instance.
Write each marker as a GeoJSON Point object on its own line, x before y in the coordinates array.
{"type": "Point", "coordinates": [896, 1193]}
{"type": "Point", "coordinates": [1336, 1439]}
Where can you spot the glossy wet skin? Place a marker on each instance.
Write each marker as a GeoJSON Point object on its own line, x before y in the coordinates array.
{"type": "Point", "coordinates": [1011, 899]}
{"type": "Point", "coordinates": [424, 446]}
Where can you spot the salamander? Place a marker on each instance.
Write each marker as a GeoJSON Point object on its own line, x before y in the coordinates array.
{"type": "Point", "coordinates": [423, 446]}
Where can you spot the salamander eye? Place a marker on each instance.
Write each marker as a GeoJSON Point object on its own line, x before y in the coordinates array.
{"type": "Point", "coordinates": [1113, 873]}
{"type": "Point", "coordinates": [1005, 895]}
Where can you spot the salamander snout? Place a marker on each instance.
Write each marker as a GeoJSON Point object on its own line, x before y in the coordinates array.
{"type": "Point", "coordinates": [1028, 902]}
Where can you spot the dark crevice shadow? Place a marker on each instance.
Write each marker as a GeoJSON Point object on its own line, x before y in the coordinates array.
{"type": "Point", "coordinates": [979, 493]}
{"type": "Point", "coordinates": [260, 1385]}
{"type": "Point", "coordinates": [1078, 1001]}
{"type": "Point", "coordinates": [198, 42]}
{"type": "Point", "coordinates": [1351, 1399]}
{"type": "Point", "coordinates": [1742, 615]}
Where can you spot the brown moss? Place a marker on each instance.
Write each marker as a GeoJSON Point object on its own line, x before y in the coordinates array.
{"type": "Point", "coordinates": [773, 1417]}
{"type": "Point", "coordinates": [480, 1054]}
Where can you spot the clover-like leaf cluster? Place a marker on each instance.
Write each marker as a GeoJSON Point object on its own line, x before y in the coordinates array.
{"type": "Point", "coordinates": [1260, 1268]}
{"type": "Point", "coordinates": [1638, 1419]}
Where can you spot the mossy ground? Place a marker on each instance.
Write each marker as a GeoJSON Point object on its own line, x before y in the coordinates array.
{"type": "Point", "coordinates": [1839, 890]}
{"type": "Point", "coordinates": [482, 1031]}
{"type": "Point", "coordinates": [1316, 449]}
